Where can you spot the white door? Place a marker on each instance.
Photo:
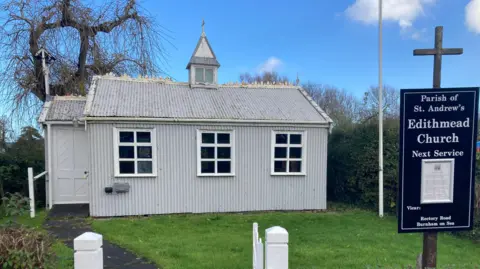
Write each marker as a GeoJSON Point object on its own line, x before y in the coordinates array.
{"type": "Point", "coordinates": [70, 165]}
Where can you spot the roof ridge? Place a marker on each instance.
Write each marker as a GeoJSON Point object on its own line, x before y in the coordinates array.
{"type": "Point", "coordinates": [168, 80]}
{"type": "Point", "coordinates": [125, 77]}
{"type": "Point", "coordinates": [69, 98]}
{"type": "Point", "coordinates": [255, 84]}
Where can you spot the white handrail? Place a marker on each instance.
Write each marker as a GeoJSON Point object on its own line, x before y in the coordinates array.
{"type": "Point", "coordinates": [40, 175]}
{"type": "Point", "coordinates": [31, 192]}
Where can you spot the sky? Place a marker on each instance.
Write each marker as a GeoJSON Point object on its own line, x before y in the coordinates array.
{"type": "Point", "coordinates": [328, 42]}
{"type": "Point", "coordinates": [332, 42]}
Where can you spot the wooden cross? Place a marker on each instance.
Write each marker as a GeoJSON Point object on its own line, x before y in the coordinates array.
{"type": "Point", "coordinates": [437, 52]}
{"type": "Point", "coordinates": [429, 254]}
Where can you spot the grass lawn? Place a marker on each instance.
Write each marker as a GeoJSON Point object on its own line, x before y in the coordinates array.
{"type": "Point", "coordinates": [64, 254]}
{"type": "Point", "coordinates": [337, 239]}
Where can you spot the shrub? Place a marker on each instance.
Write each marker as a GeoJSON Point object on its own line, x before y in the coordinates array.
{"type": "Point", "coordinates": [477, 195]}
{"type": "Point", "coordinates": [26, 151]}
{"type": "Point", "coordinates": [475, 234]}
{"type": "Point", "coordinates": [353, 165]}
{"type": "Point", "coordinates": [13, 205]}
{"type": "Point", "coordinates": [22, 247]}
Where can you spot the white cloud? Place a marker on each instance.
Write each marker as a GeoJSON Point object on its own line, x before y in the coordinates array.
{"type": "Point", "coordinates": [413, 33]}
{"type": "Point", "coordinates": [403, 12]}
{"type": "Point", "coordinates": [472, 16]}
{"type": "Point", "coordinates": [418, 35]}
{"type": "Point", "coordinates": [270, 65]}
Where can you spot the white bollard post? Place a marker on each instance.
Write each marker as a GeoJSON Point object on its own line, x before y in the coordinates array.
{"type": "Point", "coordinates": [276, 252]}
{"type": "Point", "coordinates": [31, 193]}
{"type": "Point", "coordinates": [88, 251]}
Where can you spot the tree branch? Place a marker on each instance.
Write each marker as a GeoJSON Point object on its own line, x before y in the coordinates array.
{"type": "Point", "coordinates": [20, 18]}
{"type": "Point", "coordinates": [132, 44]}
{"type": "Point", "coordinates": [108, 26]}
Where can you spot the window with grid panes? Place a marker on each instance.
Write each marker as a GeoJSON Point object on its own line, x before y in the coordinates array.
{"type": "Point", "coordinates": [134, 152]}
{"type": "Point", "coordinates": [288, 153]}
{"type": "Point", "coordinates": [215, 153]}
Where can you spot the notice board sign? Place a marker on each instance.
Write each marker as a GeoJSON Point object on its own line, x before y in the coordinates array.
{"type": "Point", "coordinates": [438, 135]}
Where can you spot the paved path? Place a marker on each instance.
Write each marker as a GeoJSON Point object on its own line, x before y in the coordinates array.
{"type": "Point", "coordinates": [67, 223]}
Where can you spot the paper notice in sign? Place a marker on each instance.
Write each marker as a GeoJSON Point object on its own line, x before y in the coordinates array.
{"type": "Point", "coordinates": [437, 181]}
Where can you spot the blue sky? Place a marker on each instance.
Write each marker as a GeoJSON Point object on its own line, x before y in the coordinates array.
{"type": "Point", "coordinates": [330, 42]}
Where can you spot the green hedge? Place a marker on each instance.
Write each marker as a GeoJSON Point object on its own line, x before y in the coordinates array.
{"type": "Point", "coordinates": [26, 151]}
{"type": "Point", "coordinates": [353, 168]}
{"type": "Point", "coordinates": [475, 233]}
{"type": "Point", "coordinates": [353, 165]}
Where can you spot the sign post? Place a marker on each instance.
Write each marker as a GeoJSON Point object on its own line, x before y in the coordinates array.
{"type": "Point", "coordinates": [438, 133]}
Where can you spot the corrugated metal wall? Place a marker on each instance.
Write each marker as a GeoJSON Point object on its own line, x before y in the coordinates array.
{"type": "Point", "coordinates": [177, 188]}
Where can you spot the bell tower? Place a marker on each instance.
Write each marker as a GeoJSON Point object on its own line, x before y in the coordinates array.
{"type": "Point", "coordinates": [203, 65]}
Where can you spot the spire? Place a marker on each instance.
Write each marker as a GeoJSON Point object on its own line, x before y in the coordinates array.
{"type": "Point", "coordinates": [203, 53]}
{"type": "Point", "coordinates": [298, 80]}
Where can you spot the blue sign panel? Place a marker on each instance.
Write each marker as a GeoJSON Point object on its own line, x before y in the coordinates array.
{"type": "Point", "coordinates": [438, 135]}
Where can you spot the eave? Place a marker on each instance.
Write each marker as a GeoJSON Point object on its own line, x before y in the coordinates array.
{"type": "Point", "coordinates": [321, 124]}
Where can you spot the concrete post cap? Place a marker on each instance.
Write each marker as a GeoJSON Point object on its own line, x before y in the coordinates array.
{"type": "Point", "coordinates": [276, 234]}
{"type": "Point", "coordinates": [88, 241]}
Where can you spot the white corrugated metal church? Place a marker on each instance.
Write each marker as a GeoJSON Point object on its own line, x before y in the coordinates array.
{"type": "Point", "coordinates": [153, 146]}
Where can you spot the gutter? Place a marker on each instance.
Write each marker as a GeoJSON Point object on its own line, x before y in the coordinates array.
{"type": "Point", "coordinates": [59, 122]}
{"type": "Point", "coordinates": [223, 121]}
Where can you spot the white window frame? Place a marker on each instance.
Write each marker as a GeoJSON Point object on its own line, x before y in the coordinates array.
{"type": "Point", "coordinates": [303, 145]}
{"type": "Point", "coordinates": [117, 144]}
{"type": "Point", "coordinates": [215, 159]}
{"type": "Point", "coordinates": [204, 75]}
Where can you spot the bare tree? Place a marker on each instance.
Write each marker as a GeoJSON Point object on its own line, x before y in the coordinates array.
{"type": "Point", "coordinates": [118, 36]}
{"type": "Point", "coordinates": [341, 106]}
{"type": "Point", "coordinates": [263, 77]}
{"type": "Point", "coordinates": [390, 103]}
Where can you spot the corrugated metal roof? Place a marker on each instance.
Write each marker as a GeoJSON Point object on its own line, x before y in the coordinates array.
{"type": "Point", "coordinates": [66, 108]}
{"type": "Point", "coordinates": [119, 97]}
